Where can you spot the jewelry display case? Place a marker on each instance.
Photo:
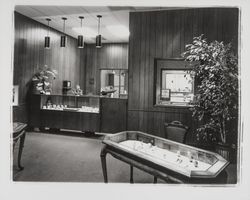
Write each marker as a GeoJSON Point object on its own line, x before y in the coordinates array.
{"type": "Point", "coordinates": [86, 113]}
{"type": "Point", "coordinates": [163, 158]}
{"type": "Point", "coordinates": [81, 113]}
{"type": "Point", "coordinates": [87, 104]}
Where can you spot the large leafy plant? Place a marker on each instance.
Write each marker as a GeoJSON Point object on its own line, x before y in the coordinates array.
{"type": "Point", "coordinates": [43, 79]}
{"type": "Point", "coordinates": [216, 98]}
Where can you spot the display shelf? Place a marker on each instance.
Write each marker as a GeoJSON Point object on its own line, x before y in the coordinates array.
{"type": "Point", "coordinates": [70, 112]}
{"type": "Point", "coordinates": [72, 103]}
{"type": "Point", "coordinates": [83, 109]}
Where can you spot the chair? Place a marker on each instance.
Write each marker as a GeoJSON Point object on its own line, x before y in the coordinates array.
{"type": "Point", "coordinates": [175, 131]}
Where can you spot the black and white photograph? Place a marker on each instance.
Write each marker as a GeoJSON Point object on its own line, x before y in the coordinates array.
{"type": "Point", "coordinates": [138, 96]}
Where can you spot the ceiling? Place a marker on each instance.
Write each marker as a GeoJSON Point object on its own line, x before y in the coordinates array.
{"type": "Point", "coordinates": [110, 16]}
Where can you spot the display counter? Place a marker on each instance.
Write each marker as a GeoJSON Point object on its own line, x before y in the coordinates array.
{"type": "Point", "coordinates": [87, 113]}
{"type": "Point", "coordinates": [166, 159]}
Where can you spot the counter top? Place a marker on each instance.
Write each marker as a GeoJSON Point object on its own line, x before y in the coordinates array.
{"type": "Point", "coordinates": [85, 95]}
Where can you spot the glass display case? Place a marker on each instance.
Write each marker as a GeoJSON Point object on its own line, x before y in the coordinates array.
{"type": "Point", "coordinates": [180, 158]}
{"type": "Point", "coordinates": [84, 103]}
{"type": "Point", "coordinates": [86, 113]}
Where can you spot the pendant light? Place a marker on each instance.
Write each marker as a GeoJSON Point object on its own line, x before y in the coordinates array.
{"type": "Point", "coordinates": [98, 40]}
{"type": "Point", "coordinates": [63, 37]}
{"type": "Point", "coordinates": [47, 38]}
{"type": "Point", "coordinates": [80, 40]}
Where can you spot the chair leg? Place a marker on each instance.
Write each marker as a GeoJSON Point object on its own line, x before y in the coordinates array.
{"type": "Point", "coordinates": [155, 179]}
{"type": "Point", "coordinates": [131, 174]}
{"type": "Point", "coordinates": [20, 151]}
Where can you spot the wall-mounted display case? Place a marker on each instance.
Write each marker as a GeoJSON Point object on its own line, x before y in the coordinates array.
{"type": "Point", "coordinates": [174, 84]}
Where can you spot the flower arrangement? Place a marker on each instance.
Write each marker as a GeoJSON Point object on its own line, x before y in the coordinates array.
{"type": "Point", "coordinates": [42, 80]}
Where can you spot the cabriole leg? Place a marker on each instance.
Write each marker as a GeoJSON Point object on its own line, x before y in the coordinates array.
{"type": "Point", "coordinates": [104, 164]}
{"type": "Point", "coordinates": [20, 151]}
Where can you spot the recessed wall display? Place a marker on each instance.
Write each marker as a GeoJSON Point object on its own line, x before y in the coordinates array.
{"type": "Point", "coordinates": [174, 84]}
{"type": "Point", "coordinates": [180, 83]}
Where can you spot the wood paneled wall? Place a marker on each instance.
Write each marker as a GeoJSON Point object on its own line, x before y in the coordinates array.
{"type": "Point", "coordinates": [113, 56]}
{"type": "Point", "coordinates": [164, 34]}
{"type": "Point", "coordinates": [30, 54]}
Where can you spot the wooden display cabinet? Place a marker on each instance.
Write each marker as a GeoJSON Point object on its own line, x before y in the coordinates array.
{"type": "Point", "coordinates": [87, 113]}
{"type": "Point", "coordinates": [66, 112]}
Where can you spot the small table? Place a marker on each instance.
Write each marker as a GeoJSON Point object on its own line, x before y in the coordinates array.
{"type": "Point", "coordinates": [19, 132]}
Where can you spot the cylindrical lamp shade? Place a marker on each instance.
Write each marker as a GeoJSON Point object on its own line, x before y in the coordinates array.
{"type": "Point", "coordinates": [47, 42]}
{"type": "Point", "coordinates": [63, 41]}
{"type": "Point", "coordinates": [98, 41]}
{"type": "Point", "coordinates": [80, 41]}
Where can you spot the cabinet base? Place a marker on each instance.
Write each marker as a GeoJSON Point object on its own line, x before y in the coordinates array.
{"type": "Point", "coordinates": [89, 133]}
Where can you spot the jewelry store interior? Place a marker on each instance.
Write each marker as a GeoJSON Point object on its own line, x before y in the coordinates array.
{"type": "Point", "coordinates": [118, 94]}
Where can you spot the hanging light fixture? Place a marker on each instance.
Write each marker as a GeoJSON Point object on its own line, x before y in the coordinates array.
{"type": "Point", "coordinates": [80, 41]}
{"type": "Point", "coordinates": [98, 40]}
{"type": "Point", "coordinates": [47, 38]}
{"type": "Point", "coordinates": [63, 37]}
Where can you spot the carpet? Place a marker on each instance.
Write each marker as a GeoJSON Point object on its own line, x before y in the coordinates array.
{"type": "Point", "coordinates": [72, 157]}
{"type": "Point", "coordinates": [69, 158]}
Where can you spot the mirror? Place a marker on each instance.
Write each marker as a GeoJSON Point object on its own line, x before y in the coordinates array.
{"type": "Point", "coordinates": [114, 83]}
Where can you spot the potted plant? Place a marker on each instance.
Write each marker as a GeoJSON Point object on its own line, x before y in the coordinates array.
{"type": "Point", "coordinates": [215, 103]}
{"type": "Point", "coordinates": [42, 80]}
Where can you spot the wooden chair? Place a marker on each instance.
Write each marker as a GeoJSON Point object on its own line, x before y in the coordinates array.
{"type": "Point", "coordinates": [176, 131]}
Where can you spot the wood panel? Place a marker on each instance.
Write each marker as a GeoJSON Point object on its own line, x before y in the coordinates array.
{"type": "Point", "coordinates": [164, 34]}
{"type": "Point", "coordinates": [20, 113]}
{"type": "Point", "coordinates": [113, 115]}
{"type": "Point", "coordinates": [30, 54]}
{"type": "Point", "coordinates": [34, 114]}
{"type": "Point", "coordinates": [53, 119]}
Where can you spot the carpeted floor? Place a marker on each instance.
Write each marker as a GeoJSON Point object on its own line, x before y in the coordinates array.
{"type": "Point", "coordinates": [71, 157]}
